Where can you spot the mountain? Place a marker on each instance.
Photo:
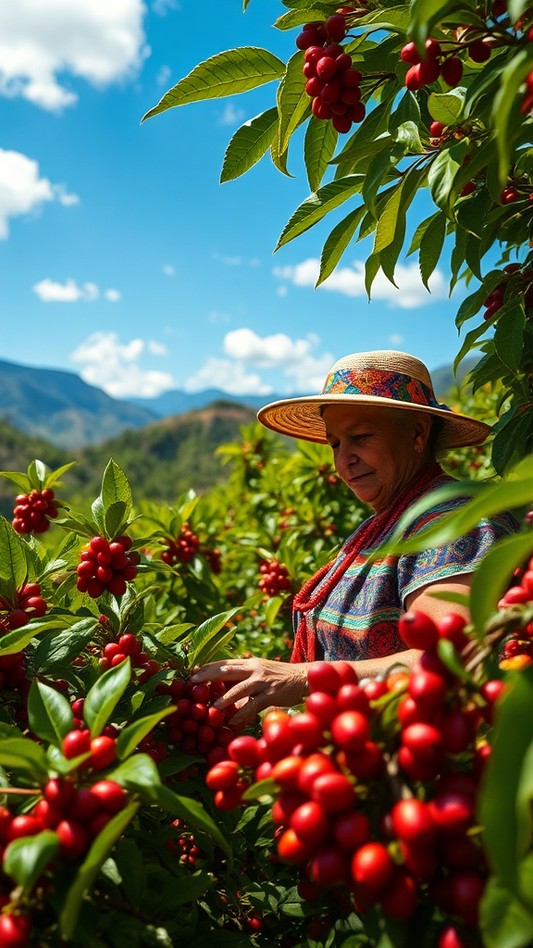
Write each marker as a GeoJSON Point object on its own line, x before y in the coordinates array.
{"type": "Point", "coordinates": [61, 408]}
{"type": "Point", "coordinates": [175, 401]}
{"type": "Point", "coordinates": [161, 460]}
{"type": "Point", "coordinates": [444, 381]}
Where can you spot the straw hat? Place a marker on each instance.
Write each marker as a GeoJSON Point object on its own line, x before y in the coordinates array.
{"type": "Point", "coordinates": [384, 377]}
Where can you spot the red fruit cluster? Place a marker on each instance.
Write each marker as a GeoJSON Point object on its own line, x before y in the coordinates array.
{"type": "Point", "coordinates": [274, 577]}
{"type": "Point", "coordinates": [183, 549]}
{"type": "Point", "coordinates": [186, 845]}
{"type": "Point", "coordinates": [196, 725]}
{"type": "Point", "coordinates": [423, 72]}
{"type": "Point", "coordinates": [214, 558]}
{"type": "Point", "coordinates": [76, 815]}
{"type": "Point", "coordinates": [34, 511]}
{"type": "Point", "coordinates": [27, 604]}
{"type": "Point", "coordinates": [518, 649]}
{"type": "Point", "coordinates": [494, 300]}
{"type": "Point", "coordinates": [107, 565]}
{"type": "Point", "coordinates": [330, 819]}
{"type": "Point", "coordinates": [332, 83]}
{"type": "Point", "coordinates": [103, 749]}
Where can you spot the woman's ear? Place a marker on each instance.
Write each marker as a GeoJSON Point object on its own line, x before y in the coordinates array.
{"type": "Point", "coordinates": [421, 431]}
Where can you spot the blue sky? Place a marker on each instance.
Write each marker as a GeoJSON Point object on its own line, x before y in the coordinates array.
{"type": "Point", "coordinates": [122, 257]}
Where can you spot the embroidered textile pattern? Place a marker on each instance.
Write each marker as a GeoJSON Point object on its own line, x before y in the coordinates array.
{"type": "Point", "coordinates": [358, 619]}
{"type": "Point", "coordinates": [382, 383]}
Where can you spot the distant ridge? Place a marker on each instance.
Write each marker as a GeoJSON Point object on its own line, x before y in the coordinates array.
{"type": "Point", "coordinates": [175, 402]}
{"type": "Point", "coordinates": [61, 408]}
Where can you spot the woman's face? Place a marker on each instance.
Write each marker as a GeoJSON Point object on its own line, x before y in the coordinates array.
{"type": "Point", "coordinates": [376, 451]}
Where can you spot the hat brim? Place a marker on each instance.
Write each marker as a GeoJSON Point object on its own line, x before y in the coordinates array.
{"type": "Point", "coordinates": [301, 418]}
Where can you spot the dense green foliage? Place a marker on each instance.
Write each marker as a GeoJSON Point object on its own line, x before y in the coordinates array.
{"type": "Point", "coordinates": [476, 164]}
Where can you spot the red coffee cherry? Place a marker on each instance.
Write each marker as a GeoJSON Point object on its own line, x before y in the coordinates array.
{"type": "Point", "coordinates": [410, 54]}
{"type": "Point", "coordinates": [311, 823]}
{"type": "Point", "coordinates": [450, 937]}
{"type": "Point", "coordinates": [15, 930]}
{"type": "Point", "coordinates": [243, 750]}
{"type": "Point", "coordinates": [428, 690]}
{"type": "Point", "coordinates": [424, 741]}
{"type": "Point", "coordinates": [103, 752]}
{"type": "Point", "coordinates": [418, 630]}
{"type": "Point", "coordinates": [329, 867]}
{"type": "Point", "coordinates": [291, 849]}
{"type": "Point", "coordinates": [223, 776]}
{"type": "Point", "coordinates": [399, 899]}
{"type": "Point", "coordinates": [451, 627]}
{"type": "Point", "coordinates": [24, 826]}
{"type": "Point", "coordinates": [452, 71]}
{"type": "Point", "coordinates": [452, 812]}
{"type": "Point", "coordinates": [109, 795]}
{"type": "Point", "coordinates": [465, 892]}
{"type": "Point", "coordinates": [336, 27]}
{"type": "Point", "coordinates": [479, 51]}
{"type": "Point", "coordinates": [351, 830]}
{"type": "Point", "coordinates": [372, 866]}
{"type": "Point", "coordinates": [436, 129]}
{"type": "Point", "coordinates": [412, 822]}
{"type": "Point", "coordinates": [73, 839]}
{"type": "Point", "coordinates": [59, 791]}
{"type": "Point", "coordinates": [350, 730]}
{"type": "Point", "coordinates": [334, 792]}
{"type": "Point", "coordinates": [76, 743]}
{"type": "Point", "coordinates": [314, 766]}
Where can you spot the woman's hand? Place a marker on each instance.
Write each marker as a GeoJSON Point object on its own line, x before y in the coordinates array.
{"type": "Point", "coordinates": [259, 683]}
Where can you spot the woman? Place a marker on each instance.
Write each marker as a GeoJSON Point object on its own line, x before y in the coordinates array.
{"type": "Point", "coordinates": [380, 416]}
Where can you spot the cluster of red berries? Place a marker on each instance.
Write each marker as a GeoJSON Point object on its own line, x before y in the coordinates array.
{"type": "Point", "coordinates": [323, 759]}
{"type": "Point", "coordinates": [214, 558]}
{"type": "Point", "coordinates": [114, 653]}
{"type": "Point", "coordinates": [28, 604]}
{"type": "Point", "coordinates": [34, 511]}
{"type": "Point", "coordinates": [182, 550]}
{"type": "Point", "coordinates": [76, 815]}
{"type": "Point", "coordinates": [423, 72]}
{"type": "Point", "coordinates": [196, 725]}
{"type": "Point", "coordinates": [332, 83]}
{"type": "Point", "coordinates": [518, 649]}
{"type": "Point", "coordinates": [107, 565]}
{"type": "Point", "coordinates": [494, 300]}
{"type": "Point", "coordinates": [186, 845]}
{"type": "Point", "coordinates": [274, 577]}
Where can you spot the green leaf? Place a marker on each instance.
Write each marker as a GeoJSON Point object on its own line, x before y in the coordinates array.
{"type": "Point", "coordinates": [337, 242]}
{"type": "Point", "coordinates": [114, 518]}
{"type": "Point", "coordinates": [37, 474]}
{"type": "Point", "coordinates": [492, 576]}
{"type": "Point", "coordinates": [59, 650]}
{"type": "Point", "coordinates": [424, 14]}
{"type": "Point", "coordinates": [272, 608]}
{"type": "Point", "coordinates": [131, 736]}
{"type": "Point", "coordinates": [516, 9]}
{"type": "Point", "coordinates": [472, 337]}
{"type": "Point", "coordinates": [16, 477]}
{"type": "Point", "coordinates": [388, 220]}
{"type": "Point", "coordinates": [21, 754]}
{"type": "Point", "coordinates": [447, 107]}
{"type": "Point", "coordinates": [228, 73]}
{"type": "Point", "coordinates": [506, 108]}
{"type": "Point", "coordinates": [105, 695]}
{"type": "Point", "coordinates": [513, 735]}
{"type": "Point", "coordinates": [449, 657]}
{"type": "Point", "coordinates": [293, 101]}
{"type": "Point", "coordinates": [504, 921]}
{"type": "Point", "coordinates": [194, 815]}
{"type": "Point", "coordinates": [53, 477]}
{"type": "Point", "coordinates": [138, 774]}
{"type": "Point", "coordinates": [261, 788]}
{"type": "Point", "coordinates": [431, 246]}
{"type": "Point", "coordinates": [91, 865]}
{"type": "Point", "coordinates": [26, 858]}
{"type": "Point", "coordinates": [509, 335]}
{"type": "Point", "coordinates": [442, 172]}
{"type": "Point", "coordinates": [18, 639]}
{"type": "Point", "coordinates": [308, 13]}
{"type": "Point", "coordinates": [511, 441]}
{"type": "Point", "coordinates": [13, 565]}
{"type": "Point", "coordinates": [249, 144]}
{"type": "Point", "coordinates": [319, 147]}
{"type": "Point", "coordinates": [408, 135]}
{"type": "Point", "coordinates": [374, 124]}
{"type": "Point", "coordinates": [115, 487]}
{"type": "Point", "coordinates": [50, 714]}
{"type": "Point", "coordinates": [205, 632]}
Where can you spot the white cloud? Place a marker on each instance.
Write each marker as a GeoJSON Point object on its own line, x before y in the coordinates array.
{"type": "Point", "coordinates": [112, 365]}
{"type": "Point", "coordinates": [161, 7]}
{"type": "Point", "coordinates": [22, 191]}
{"type": "Point", "coordinates": [157, 348]}
{"type": "Point", "coordinates": [395, 339]}
{"type": "Point", "coordinates": [350, 281]}
{"type": "Point", "coordinates": [101, 41]}
{"type": "Point", "coordinates": [113, 295]}
{"type": "Point", "coordinates": [230, 115]}
{"type": "Point", "coordinates": [303, 369]}
{"type": "Point", "coordinates": [69, 292]}
{"type": "Point", "coordinates": [228, 376]}
{"type": "Point", "coordinates": [169, 270]}
{"type": "Point", "coordinates": [163, 75]}
{"type": "Point", "coordinates": [282, 291]}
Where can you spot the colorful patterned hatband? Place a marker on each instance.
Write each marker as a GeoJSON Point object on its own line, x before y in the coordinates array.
{"type": "Point", "coordinates": [380, 382]}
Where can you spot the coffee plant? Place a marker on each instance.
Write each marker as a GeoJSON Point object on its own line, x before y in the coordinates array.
{"type": "Point", "coordinates": [133, 812]}
{"type": "Point", "coordinates": [441, 96]}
